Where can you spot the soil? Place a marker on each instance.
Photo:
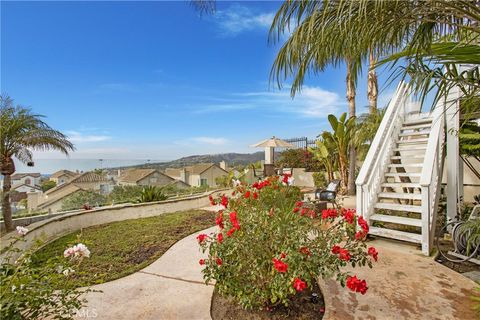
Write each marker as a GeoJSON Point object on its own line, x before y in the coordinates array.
{"type": "Point", "coordinates": [301, 307]}
{"type": "Point", "coordinates": [460, 267]}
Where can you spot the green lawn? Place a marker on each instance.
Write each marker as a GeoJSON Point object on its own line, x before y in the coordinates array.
{"type": "Point", "coordinates": [121, 248]}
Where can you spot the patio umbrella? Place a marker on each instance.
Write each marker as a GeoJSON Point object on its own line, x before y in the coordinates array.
{"type": "Point", "coordinates": [270, 145]}
{"type": "Point", "coordinates": [273, 143]}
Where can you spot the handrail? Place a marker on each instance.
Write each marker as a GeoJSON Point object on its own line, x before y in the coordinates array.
{"type": "Point", "coordinates": [384, 129]}
{"type": "Point", "coordinates": [432, 147]}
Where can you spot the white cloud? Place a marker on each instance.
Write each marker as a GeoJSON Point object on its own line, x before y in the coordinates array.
{"type": "Point", "coordinates": [215, 141]}
{"type": "Point", "coordinates": [237, 19]}
{"type": "Point", "coordinates": [79, 137]}
{"type": "Point", "coordinates": [311, 102]}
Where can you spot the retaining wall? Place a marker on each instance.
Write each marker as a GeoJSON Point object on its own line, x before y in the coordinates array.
{"type": "Point", "coordinates": [57, 226]}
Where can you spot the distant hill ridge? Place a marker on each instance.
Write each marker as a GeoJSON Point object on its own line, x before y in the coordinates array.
{"type": "Point", "coordinates": [231, 159]}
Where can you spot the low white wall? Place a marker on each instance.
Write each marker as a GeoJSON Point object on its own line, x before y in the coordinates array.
{"type": "Point", "coordinates": [55, 227]}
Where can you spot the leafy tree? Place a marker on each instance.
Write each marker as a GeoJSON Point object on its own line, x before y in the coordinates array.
{"type": "Point", "coordinates": [326, 154]}
{"type": "Point", "coordinates": [22, 131]}
{"type": "Point", "coordinates": [81, 198]}
{"type": "Point", "coordinates": [48, 184]}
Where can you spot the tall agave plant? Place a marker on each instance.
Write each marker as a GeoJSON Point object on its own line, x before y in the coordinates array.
{"type": "Point", "coordinates": [151, 194]}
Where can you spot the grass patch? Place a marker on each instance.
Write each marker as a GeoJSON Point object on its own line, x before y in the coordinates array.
{"type": "Point", "coordinates": [121, 248]}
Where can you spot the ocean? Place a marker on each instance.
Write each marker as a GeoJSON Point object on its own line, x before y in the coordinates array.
{"type": "Point", "coordinates": [49, 166]}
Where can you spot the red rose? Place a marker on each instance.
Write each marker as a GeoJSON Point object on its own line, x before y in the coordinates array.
{"type": "Point", "coordinates": [255, 196]}
{"type": "Point", "coordinates": [349, 216]}
{"type": "Point", "coordinates": [201, 237]}
{"type": "Point", "coordinates": [304, 210]}
{"type": "Point", "coordinates": [220, 237]}
{"type": "Point", "coordinates": [336, 249]}
{"type": "Point", "coordinates": [356, 285]}
{"type": "Point", "coordinates": [329, 213]}
{"type": "Point", "coordinates": [360, 235]}
{"type": "Point", "coordinates": [247, 195]}
{"type": "Point", "coordinates": [285, 178]}
{"type": "Point", "coordinates": [299, 203]}
{"type": "Point", "coordinates": [312, 214]}
{"type": "Point", "coordinates": [219, 220]}
{"type": "Point", "coordinates": [362, 223]}
{"type": "Point", "coordinates": [219, 262]}
{"type": "Point", "coordinates": [224, 201]}
{"type": "Point", "coordinates": [255, 185]}
{"type": "Point", "coordinates": [373, 252]}
{"type": "Point", "coordinates": [201, 262]}
{"type": "Point", "coordinates": [305, 251]}
{"type": "Point", "coordinates": [343, 254]}
{"type": "Point", "coordinates": [296, 209]}
{"type": "Point", "coordinates": [299, 285]}
{"type": "Point", "coordinates": [230, 232]}
{"type": "Point", "coordinates": [280, 265]}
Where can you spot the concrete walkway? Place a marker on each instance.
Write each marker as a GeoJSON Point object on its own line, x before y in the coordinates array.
{"type": "Point", "coordinates": [403, 284]}
{"type": "Point", "coordinates": [170, 288]}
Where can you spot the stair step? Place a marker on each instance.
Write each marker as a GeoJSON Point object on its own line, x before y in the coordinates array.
{"type": "Point", "coordinates": [400, 195]}
{"type": "Point", "coordinates": [401, 165]}
{"type": "Point", "coordinates": [397, 220]}
{"type": "Point", "coordinates": [416, 156]}
{"type": "Point", "coordinates": [420, 126]}
{"type": "Point", "coordinates": [416, 133]}
{"type": "Point", "coordinates": [395, 234]}
{"type": "Point", "coordinates": [417, 121]}
{"type": "Point", "coordinates": [411, 148]}
{"type": "Point", "coordinates": [403, 174]}
{"type": "Point", "coordinates": [411, 141]}
{"type": "Point", "coordinates": [398, 207]}
{"type": "Point", "coordinates": [400, 185]}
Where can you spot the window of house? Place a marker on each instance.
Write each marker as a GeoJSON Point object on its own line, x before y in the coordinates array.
{"type": "Point", "coordinates": [203, 182]}
{"type": "Point", "coordinates": [28, 181]}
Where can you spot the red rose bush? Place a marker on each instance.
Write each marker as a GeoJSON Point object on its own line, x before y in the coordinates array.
{"type": "Point", "coordinates": [270, 245]}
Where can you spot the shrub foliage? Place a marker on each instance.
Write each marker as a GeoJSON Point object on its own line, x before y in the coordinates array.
{"type": "Point", "coordinates": [271, 245]}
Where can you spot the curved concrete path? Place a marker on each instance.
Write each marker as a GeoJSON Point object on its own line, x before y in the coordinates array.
{"type": "Point", "coordinates": [170, 288]}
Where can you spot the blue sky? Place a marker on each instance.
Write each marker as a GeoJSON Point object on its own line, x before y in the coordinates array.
{"type": "Point", "coordinates": [153, 80]}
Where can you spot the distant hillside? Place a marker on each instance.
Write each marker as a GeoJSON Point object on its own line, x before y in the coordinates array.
{"type": "Point", "coordinates": [231, 159]}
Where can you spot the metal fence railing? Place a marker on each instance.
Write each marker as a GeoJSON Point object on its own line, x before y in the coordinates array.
{"type": "Point", "coordinates": [301, 143]}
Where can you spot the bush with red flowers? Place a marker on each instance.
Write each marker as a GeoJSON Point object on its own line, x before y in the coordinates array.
{"type": "Point", "coordinates": [270, 245]}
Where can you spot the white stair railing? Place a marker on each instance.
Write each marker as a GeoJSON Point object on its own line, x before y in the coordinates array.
{"type": "Point", "coordinates": [371, 174]}
{"type": "Point", "coordinates": [431, 177]}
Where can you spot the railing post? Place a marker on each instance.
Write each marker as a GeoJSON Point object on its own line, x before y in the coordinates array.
{"type": "Point", "coordinates": [426, 220]}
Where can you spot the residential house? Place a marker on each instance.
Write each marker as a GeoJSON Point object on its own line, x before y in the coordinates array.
{"type": "Point", "coordinates": [148, 177]}
{"type": "Point", "coordinates": [62, 176]}
{"type": "Point", "coordinates": [52, 199]}
{"type": "Point", "coordinates": [27, 179]}
{"type": "Point", "coordinates": [202, 174]}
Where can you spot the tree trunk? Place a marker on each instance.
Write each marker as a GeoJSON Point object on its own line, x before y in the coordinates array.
{"type": "Point", "coordinates": [372, 90]}
{"type": "Point", "coordinates": [6, 208]}
{"type": "Point", "coordinates": [351, 112]}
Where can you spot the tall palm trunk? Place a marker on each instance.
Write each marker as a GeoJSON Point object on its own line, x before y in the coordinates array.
{"type": "Point", "coordinates": [7, 168]}
{"type": "Point", "coordinates": [372, 90]}
{"type": "Point", "coordinates": [351, 112]}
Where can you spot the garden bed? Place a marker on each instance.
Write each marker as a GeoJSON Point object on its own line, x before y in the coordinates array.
{"type": "Point", "coordinates": [122, 248]}
{"type": "Point", "coordinates": [301, 308]}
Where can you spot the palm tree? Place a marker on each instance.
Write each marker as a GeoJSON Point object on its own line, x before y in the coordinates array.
{"type": "Point", "coordinates": [20, 133]}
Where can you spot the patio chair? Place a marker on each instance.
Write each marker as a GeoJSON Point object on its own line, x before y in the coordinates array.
{"type": "Point", "coordinates": [323, 196]}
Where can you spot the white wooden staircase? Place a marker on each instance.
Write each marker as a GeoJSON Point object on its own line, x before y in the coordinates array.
{"type": "Point", "coordinates": [399, 183]}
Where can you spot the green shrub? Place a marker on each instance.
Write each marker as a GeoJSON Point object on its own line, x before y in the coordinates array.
{"type": "Point", "coordinates": [47, 185]}
{"type": "Point", "coordinates": [270, 245]}
{"type": "Point", "coordinates": [151, 194]}
{"type": "Point", "coordinates": [81, 199]}
{"type": "Point", "coordinates": [28, 291]}
{"type": "Point", "coordinates": [123, 194]}
{"type": "Point", "coordinates": [320, 180]}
